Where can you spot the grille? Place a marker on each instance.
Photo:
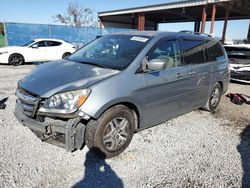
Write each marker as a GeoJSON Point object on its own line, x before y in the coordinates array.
{"type": "Point", "coordinates": [28, 102]}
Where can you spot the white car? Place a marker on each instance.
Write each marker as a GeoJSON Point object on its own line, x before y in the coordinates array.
{"type": "Point", "coordinates": [36, 50]}
{"type": "Point", "coordinates": [239, 61]}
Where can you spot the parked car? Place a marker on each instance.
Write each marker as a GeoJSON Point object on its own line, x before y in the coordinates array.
{"type": "Point", "coordinates": [239, 61]}
{"type": "Point", "coordinates": [120, 84]}
{"type": "Point", "coordinates": [36, 50]}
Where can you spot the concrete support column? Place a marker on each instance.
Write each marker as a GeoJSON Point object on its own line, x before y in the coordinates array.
{"type": "Point", "coordinates": [141, 22]}
{"type": "Point", "coordinates": [225, 23]}
{"type": "Point", "coordinates": [213, 19]}
{"type": "Point", "coordinates": [204, 18]}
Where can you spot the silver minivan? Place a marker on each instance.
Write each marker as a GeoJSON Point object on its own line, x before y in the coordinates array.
{"type": "Point", "coordinates": [120, 84]}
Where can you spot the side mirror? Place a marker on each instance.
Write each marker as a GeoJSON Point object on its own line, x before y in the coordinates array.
{"type": "Point", "coordinates": [156, 65]}
{"type": "Point", "coordinates": [35, 46]}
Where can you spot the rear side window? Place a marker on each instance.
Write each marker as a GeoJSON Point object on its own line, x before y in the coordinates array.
{"type": "Point", "coordinates": [215, 52]}
{"type": "Point", "coordinates": [193, 51]}
{"type": "Point", "coordinates": [53, 43]}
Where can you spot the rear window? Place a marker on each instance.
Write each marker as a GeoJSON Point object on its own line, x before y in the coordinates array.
{"type": "Point", "coordinates": [53, 43]}
{"type": "Point", "coordinates": [193, 51]}
{"type": "Point", "coordinates": [234, 52]}
{"type": "Point", "coordinates": [215, 52]}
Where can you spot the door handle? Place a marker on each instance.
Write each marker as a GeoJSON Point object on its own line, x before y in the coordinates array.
{"type": "Point", "coordinates": [192, 73]}
{"type": "Point", "coordinates": [179, 75]}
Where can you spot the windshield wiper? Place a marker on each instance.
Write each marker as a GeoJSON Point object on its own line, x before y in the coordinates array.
{"type": "Point", "coordinates": [98, 65]}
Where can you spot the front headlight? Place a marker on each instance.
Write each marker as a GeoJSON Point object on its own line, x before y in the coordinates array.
{"type": "Point", "coordinates": [3, 53]}
{"type": "Point", "coordinates": [65, 103]}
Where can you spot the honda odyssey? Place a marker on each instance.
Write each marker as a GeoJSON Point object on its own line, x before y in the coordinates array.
{"type": "Point", "coordinates": [120, 84]}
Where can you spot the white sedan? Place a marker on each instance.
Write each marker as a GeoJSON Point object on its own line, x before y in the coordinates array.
{"type": "Point", "coordinates": [36, 50]}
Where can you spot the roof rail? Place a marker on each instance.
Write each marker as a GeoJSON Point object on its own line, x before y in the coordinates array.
{"type": "Point", "coordinates": [197, 33]}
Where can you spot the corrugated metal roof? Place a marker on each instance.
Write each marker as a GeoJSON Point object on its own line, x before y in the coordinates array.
{"type": "Point", "coordinates": [171, 5]}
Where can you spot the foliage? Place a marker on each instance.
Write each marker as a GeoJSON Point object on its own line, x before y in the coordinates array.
{"type": "Point", "coordinates": [76, 15]}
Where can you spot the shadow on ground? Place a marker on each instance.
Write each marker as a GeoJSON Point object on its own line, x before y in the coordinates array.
{"type": "Point", "coordinates": [26, 63]}
{"type": "Point", "coordinates": [98, 174]}
{"type": "Point", "coordinates": [244, 150]}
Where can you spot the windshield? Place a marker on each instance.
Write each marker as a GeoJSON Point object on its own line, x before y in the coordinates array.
{"type": "Point", "coordinates": [238, 55]}
{"type": "Point", "coordinates": [28, 43]}
{"type": "Point", "coordinates": [111, 51]}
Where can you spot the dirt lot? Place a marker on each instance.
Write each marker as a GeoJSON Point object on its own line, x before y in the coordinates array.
{"type": "Point", "coordinates": [198, 149]}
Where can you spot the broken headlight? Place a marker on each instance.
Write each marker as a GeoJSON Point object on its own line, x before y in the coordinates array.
{"type": "Point", "coordinates": [65, 103]}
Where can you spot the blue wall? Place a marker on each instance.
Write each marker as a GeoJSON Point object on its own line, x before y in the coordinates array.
{"type": "Point", "coordinates": [20, 33]}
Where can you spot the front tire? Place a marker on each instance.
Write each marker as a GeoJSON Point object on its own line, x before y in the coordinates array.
{"type": "Point", "coordinates": [111, 134]}
{"type": "Point", "coordinates": [16, 59]}
{"type": "Point", "coordinates": [214, 99]}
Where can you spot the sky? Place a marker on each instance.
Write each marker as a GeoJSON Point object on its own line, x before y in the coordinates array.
{"type": "Point", "coordinates": [42, 11]}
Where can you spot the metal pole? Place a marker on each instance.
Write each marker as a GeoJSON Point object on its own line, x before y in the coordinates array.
{"type": "Point", "coordinates": [204, 17]}
{"type": "Point", "coordinates": [248, 35]}
{"type": "Point", "coordinates": [225, 23]}
{"type": "Point", "coordinates": [213, 19]}
{"type": "Point", "coordinates": [139, 22]}
{"type": "Point", "coordinates": [5, 34]}
{"type": "Point", "coordinates": [197, 24]}
{"type": "Point", "coordinates": [50, 31]}
{"type": "Point", "coordinates": [143, 22]}
{"type": "Point", "coordinates": [133, 21]}
{"type": "Point", "coordinates": [156, 26]}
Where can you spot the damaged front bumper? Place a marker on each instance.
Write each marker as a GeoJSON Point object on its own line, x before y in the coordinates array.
{"type": "Point", "coordinates": [68, 134]}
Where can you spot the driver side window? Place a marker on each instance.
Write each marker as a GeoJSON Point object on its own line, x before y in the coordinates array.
{"type": "Point", "coordinates": [167, 51]}
{"type": "Point", "coordinates": [40, 44]}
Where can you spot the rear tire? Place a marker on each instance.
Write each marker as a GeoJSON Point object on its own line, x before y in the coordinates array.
{"type": "Point", "coordinates": [66, 54]}
{"type": "Point", "coordinates": [214, 99]}
{"type": "Point", "coordinates": [111, 134]}
{"type": "Point", "coordinates": [16, 59]}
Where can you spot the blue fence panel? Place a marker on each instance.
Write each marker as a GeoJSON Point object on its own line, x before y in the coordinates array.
{"type": "Point", "coordinates": [75, 34]}
{"type": "Point", "coordinates": [108, 30]}
{"type": "Point", "coordinates": [19, 33]}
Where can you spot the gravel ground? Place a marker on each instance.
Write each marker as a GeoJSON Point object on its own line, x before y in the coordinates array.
{"type": "Point", "coordinates": [198, 149]}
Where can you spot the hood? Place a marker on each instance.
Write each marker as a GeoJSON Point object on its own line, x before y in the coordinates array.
{"type": "Point", "coordinates": [59, 76]}
{"type": "Point", "coordinates": [8, 48]}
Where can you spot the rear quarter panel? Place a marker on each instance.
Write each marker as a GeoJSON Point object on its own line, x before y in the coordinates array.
{"type": "Point", "coordinates": [220, 73]}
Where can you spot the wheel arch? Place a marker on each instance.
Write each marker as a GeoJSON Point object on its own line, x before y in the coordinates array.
{"type": "Point", "coordinates": [221, 85]}
{"type": "Point", "coordinates": [132, 106]}
{"type": "Point", "coordinates": [64, 54]}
